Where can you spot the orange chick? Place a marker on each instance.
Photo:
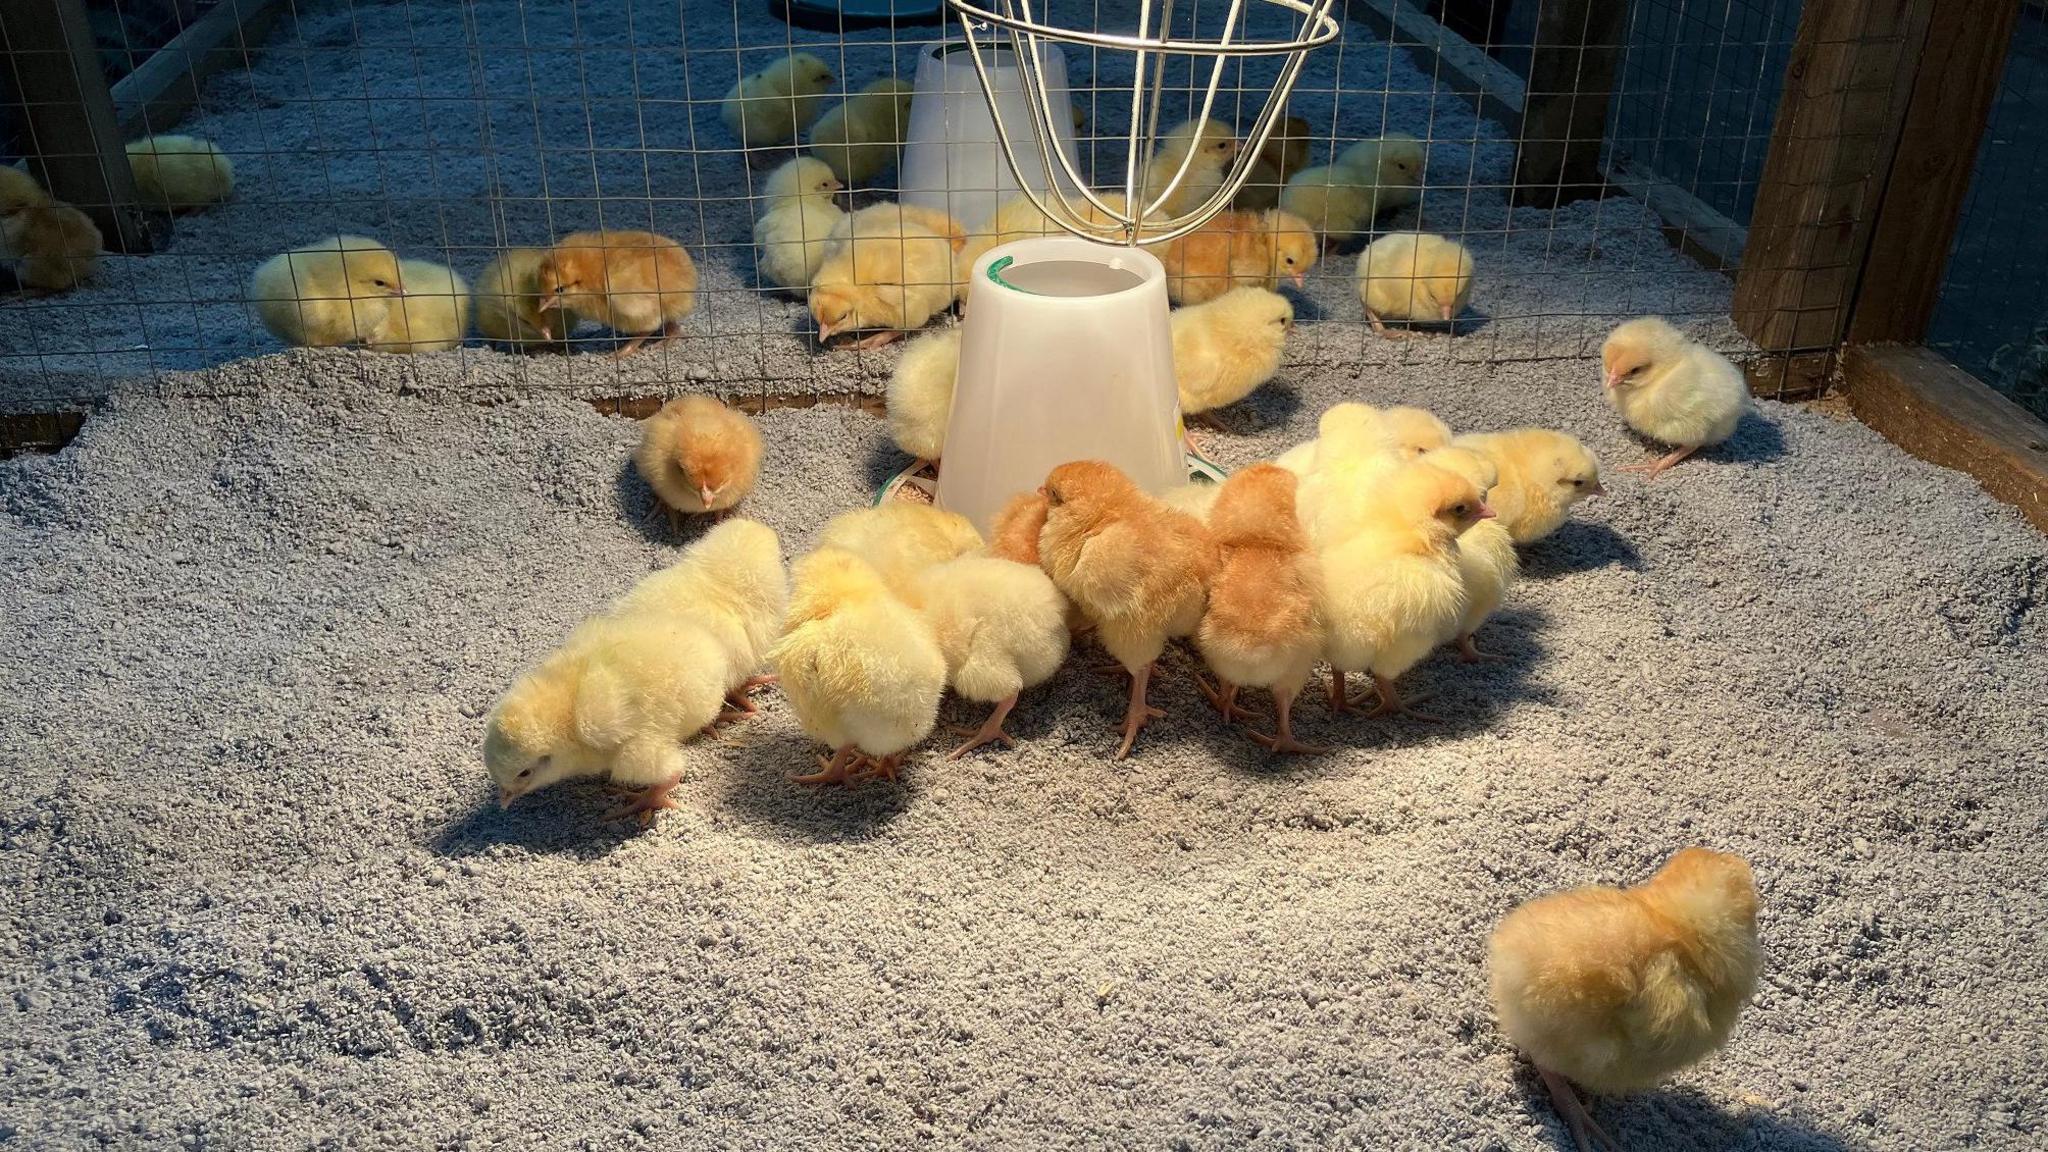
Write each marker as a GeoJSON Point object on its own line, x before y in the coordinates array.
{"type": "Point", "coordinates": [638, 284]}
{"type": "Point", "coordinates": [1286, 152]}
{"type": "Point", "coordinates": [890, 271]}
{"type": "Point", "coordinates": [1238, 250]}
{"type": "Point", "coordinates": [1138, 569]}
{"type": "Point", "coordinates": [699, 456]}
{"type": "Point", "coordinates": [54, 246]}
{"type": "Point", "coordinates": [1262, 628]}
{"type": "Point", "coordinates": [1616, 989]}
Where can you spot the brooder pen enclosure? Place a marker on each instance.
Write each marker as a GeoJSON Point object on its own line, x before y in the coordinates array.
{"type": "Point", "coordinates": [305, 537]}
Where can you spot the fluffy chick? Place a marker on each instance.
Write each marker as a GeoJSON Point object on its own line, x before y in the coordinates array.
{"type": "Point", "coordinates": [1486, 550]}
{"type": "Point", "coordinates": [1207, 146]}
{"type": "Point", "coordinates": [732, 584]}
{"type": "Point", "coordinates": [1224, 349]}
{"type": "Point", "coordinates": [1616, 989]}
{"type": "Point", "coordinates": [1285, 153]}
{"type": "Point", "coordinates": [1371, 441]}
{"type": "Point", "coordinates": [891, 274]}
{"type": "Point", "coordinates": [53, 246]}
{"type": "Point", "coordinates": [1238, 250]}
{"type": "Point", "coordinates": [1672, 389]}
{"type": "Point", "coordinates": [337, 291]}
{"type": "Point", "coordinates": [699, 456]}
{"type": "Point", "coordinates": [1393, 588]}
{"type": "Point", "coordinates": [862, 137]}
{"type": "Point", "coordinates": [1413, 276]}
{"type": "Point", "coordinates": [1392, 166]}
{"type": "Point", "coordinates": [432, 316]}
{"type": "Point", "coordinates": [861, 669]}
{"type": "Point", "coordinates": [19, 190]}
{"type": "Point", "coordinates": [1002, 627]}
{"type": "Point", "coordinates": [617, 701]}
{"type": "Point", "coordinates": [507, 302]}
{"type": "Point", "coordinates": [901, 540]}
{"type": "Point", "coordinates": [772, 106]}
{"type": "Point", "coordinates": [795, 232]}
{"type": "Point", "coordinates": [180, 173]}
{"type": "Point", "coordinates": [638, 284]}
{"type": "Point", "coordinates": [1014, 535]}
{"type": "Point", "coordinates": [1336, 201]}
{"type": "Point", "coordinates": [920, 394]}
{"type": "Point", "coordinates": [1542, 475]}
{"type": "Point", "coordinates": [1137, 568]}
{"type": "Point", "coordinates": [1262, 627]}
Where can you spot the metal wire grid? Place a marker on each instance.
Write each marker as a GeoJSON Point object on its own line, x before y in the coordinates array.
{"type": "Point", "coordinates": [452, 130]}
{"type": "Point", "coordinates": [1993, 315]}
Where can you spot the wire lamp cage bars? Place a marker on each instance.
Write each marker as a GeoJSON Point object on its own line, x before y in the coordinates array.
{"type": "Point", "coordinates": [1068, 199]}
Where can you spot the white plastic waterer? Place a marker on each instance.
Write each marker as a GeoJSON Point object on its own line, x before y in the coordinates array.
{"type": "Point", "coordinates": [952, 158]}
{"type": "Point", "coordinates": [1065, 355]}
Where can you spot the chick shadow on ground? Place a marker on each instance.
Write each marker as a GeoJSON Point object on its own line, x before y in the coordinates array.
{"type": "Point", "coordinates": [755, 786]}
{"type": "Point", "coordinates": [1756, 441]}
{"type": "Point", "coordinates": [566, 820]}
{"type": "Point", "coordinates": [884, 460]}
{"type": "Point", "coordinates": [645, 512]}
{"type": "Point", "coordinates": [1680, 1119]}
{"type": "Point", "coordinates": [1268, 409]}
{"type": "Point", "coordinates": [1579, 546]}
{"type": "Point", "coordinates": [1467, 698]}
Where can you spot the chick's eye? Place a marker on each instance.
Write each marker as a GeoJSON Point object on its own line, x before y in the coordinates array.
{"type": "Point", "coordinates": [525, 772]}
{"type": "Point", "coordinates": [1459, 509]}
{"type": "Point", "coordinates": [1578, 483]}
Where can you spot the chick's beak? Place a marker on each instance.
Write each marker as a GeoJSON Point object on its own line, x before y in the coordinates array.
{"type": "Point", "coordinates": [1596, 489]}
{"type": "Point", "coordinates": [1300, 280]}
{"type": "Point", "coordinates": [505, 798]}
{"type": "Point", "coordinates": [1449, 313]}
{"type": "Point", "coordinates": [549, 303]}
{"type": "Point", "coordinates": [1613, 380]}
{"type": "Point", "coordinates": [1485, 512]}
{"type": "Point", "coordinates": [704, 493]}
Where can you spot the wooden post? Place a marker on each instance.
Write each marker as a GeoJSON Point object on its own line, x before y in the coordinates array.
{"type": "Point", "coordinates": [1953, 91]}
{"type": "Point", "coordinates": [152, 98]}
{"type": "Point", "coordinates": [1831, 149]}
{"type": "Point", "coordinates": [54, 73]}
{"type": "Point", "coordinates": [1564, 118]}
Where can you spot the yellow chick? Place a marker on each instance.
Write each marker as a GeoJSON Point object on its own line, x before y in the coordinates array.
{"type": "Point", "coordinates": [919, 398]}
{"type": "Point", "coordinates": [1335, 200]}
{"type": "Point", "coordinates": [1672, 389]}
{"type": "Point", "coordinates": [1207, 147]}
{"type": "Point", "coordinates": [1374, 440]}
{"type": "Point", "coordinates": [1392, 166]}
{"type": "Point", "coordinates": [900, 539]}
{"type": "Point", "coordinates": [1616, 989]}
{"type": "Point", "coordinates": [1542, 475]}
{"type": "Point", "coordinates": [795, 232]}
{"type": "Point", "coordinates": [1137, 568]}
{"type": "Point", "coordinates": [53, 246]}
{"type": "Point", "coordinates": [432, 316]}
{"type": "Point", "coordinates": [772, 106]}
{"type": "Point", "coordinates": [337, 291]}
{"type": "Point", "coordinates": [1262, 627]}
{"type": "Point", "coordinates": [891, 274]}
{"type": "Point", "coordinates": [1002, 627]}
{"type": "Point", "coordinates": [862, 138]}
{"type": "Point", "coordinates": [732, 584]}
{"type": "Point", "coordinates": [638, 284]}
{"type": "Point", "coordinates": [507, 302]}
{"type": "Point", "coordinates": [1224, 349]}
{"type": "Point", "coordinates": [617, 701]}
{"type": "Point", "coordinates": [699, 456]}
{"type": "Point", "coordinates": [861, 669]}
{"type": "Point", "coordinates": [1393, 589]}
{"type": "Point", "coordinates": [180, 173]}
{"type": "Point", "coordinates": [1486, 550]}
{"type": "Point", "coordinates": [1413, 276]}
{"type": "Point", "coordinates": [19, 190]}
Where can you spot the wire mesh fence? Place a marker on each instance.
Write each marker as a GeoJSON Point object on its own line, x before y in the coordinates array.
{"type": "Point", "coordinates": [452, 131]}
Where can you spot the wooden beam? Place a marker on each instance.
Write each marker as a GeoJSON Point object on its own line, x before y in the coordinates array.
{"type": "Point", "coordinates": [1564, 118]}
{"type": "Point", "coordinates": [41, 432]}
{"type": "Point", "coordinates": [1832, 145]}
{"type": "Point", "coordinates": [154, 97]}
{"type": "Point", "coordinates": [1691, 224]}
{"type": "Point", "coordinates": [1954, 88]}
{"type": "Point", "coordinates": [1446, 57]}
{"type": "Point", "coordinates": [1944, 415]}
{"type": "Point", "coordinates": [1789, 375]}
{"type": "Point", "coordinates": [53, 70]}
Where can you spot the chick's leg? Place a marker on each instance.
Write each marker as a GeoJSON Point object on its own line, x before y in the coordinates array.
{"type": "Point", "coordinates": [1283, 739]}
{"type": "Point", "coordinates": [1340, 696]}
{"type": "Point", "coordinates": [1585, 1130]}
{"type": "Point", "coordinates": [1469, 653]}
{"type": "Point", "coordinates": [670, 331]}
{"type": "Point", "coordinates": [990, 731]}
{"type": "Point", "coordinates": [1137, 713]}
{"type": "Point", "coordinates": [631, 347]}
{"type": "Point", "coordinates": [876, 340]}
{"type": "Point", "coordinates": [1391, 703]}
{"type": "Point", "coordinates": [1223, 697]}
{"type": "Point", "coordinates": [646, 801]}
{"type": "Point", "coordinates": [738, 703]}
{"type": "Point", "coordinates": [833, 771]}
{"type": "Point", "coordinates": [1650, 468]}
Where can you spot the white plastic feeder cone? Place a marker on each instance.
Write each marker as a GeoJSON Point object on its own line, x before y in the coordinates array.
{"type": "Point", "coordinates": [952, 160]}
{"type": "Point", "coordinates": [1065, 355]}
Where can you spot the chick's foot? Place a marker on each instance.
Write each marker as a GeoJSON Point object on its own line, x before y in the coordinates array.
{"type": "Point", "coordinates": [1585, 1130]}
{"type": "Point", "coordinates": [1137, 713]}
{"type": "Point", "coordinates": [837, 770]}
{"type": "Point", "coordinates": [990, 731]}
{"type": "Point", "coordinates": [645, 802]}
